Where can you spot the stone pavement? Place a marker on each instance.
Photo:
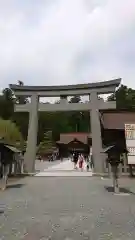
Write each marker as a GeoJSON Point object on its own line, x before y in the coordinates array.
{"type": "Point", "coordinates": [41, 166]}
{"type": "Point", "coordinates": [62, 169]}
{"type": "Point", "coordinates": [67, 209]}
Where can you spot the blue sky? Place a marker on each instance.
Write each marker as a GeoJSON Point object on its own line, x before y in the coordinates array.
{"type": "Point", "coordinates": [53, 42]}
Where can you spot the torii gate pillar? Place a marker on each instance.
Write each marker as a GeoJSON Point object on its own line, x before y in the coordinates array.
{"type": "Point", "coordinates": [96, 135]}
{"type": "Point", "coordinates": [31, 149]}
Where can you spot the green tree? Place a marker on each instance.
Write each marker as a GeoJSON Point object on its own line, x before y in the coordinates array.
{"type": "Point", "coordinates": [47, 145]}
{"type": "Point", "coordinates": [57, 122]}
{"type": "Point", "coordinates": [74, 118]}
{"type": "Point", "coordinates": [75, 99]}
{"type": "Point", "coordinates": [45, 123]}
{"type": "Point", "coordinates": [125, 97]}
{"type": "Point", "coordinates": [79, 121]}
{"type": "Point", "coordinates": [8, 94]}
{"type": "Point", "coordinates": [60, 124]}
{"type": "Point", "coordinates": [21, 119]}
{"type": "Point", "coordinates": [9, 132]}
{"type": "Point", "coordinates": [6, 104]}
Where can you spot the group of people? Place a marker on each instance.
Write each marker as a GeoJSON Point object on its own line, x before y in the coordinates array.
{"type": "Point", "coordinates": [82, 161]}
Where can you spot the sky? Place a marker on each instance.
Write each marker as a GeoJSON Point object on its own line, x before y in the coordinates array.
{"type": "Point", "coordinates": [54, 42]}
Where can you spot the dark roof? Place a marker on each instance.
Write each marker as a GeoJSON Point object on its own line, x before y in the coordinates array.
{"type": "Point", "coordinates": [110, 83]}
{"type": "Point", "coordinates": [116, 110]}
{"type": "Point", "coordinates": [12, 149]}
{"type": "Point", "coordinates": [115, 147]}
{"type": "Point", "coordinates": [66, 138]}
{"type": "Point", "coordinates": [117, 120]}
{"type": "Point", "coordinates": [106, 149]}
{"type": "Point", "coordinates": [76, 141]}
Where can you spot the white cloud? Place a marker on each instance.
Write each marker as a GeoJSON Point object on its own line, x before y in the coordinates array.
{"type": "Point", "coordinates": [66, 41]}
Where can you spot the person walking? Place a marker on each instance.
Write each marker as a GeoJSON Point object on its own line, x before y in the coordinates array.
{"type": "Point", "coordinates": [75, 159]}
{"type": "Point", "coordinates": [88, 163]}
{"type": "Point", "coordinates": [81, 162]}
{"type": "Point", "coordinates": [91, 159]}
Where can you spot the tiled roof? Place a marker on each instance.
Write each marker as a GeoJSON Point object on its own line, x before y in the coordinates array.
{"type": "Point", "coordinates": [68, 137]}
{"type": "Point", "coordinates": [117, 120]}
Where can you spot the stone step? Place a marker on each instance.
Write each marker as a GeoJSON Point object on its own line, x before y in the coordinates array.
{"type": "Point", "coordinates": [66, 170]}
{"type": "Point", "coordinates": [63, 174]}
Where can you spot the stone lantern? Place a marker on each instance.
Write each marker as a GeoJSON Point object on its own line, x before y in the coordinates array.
{"type": "Point", "coordinates": [113, 158]}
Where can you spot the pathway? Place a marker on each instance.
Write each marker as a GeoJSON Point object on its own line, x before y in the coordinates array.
{"type": "Point", "coordinates": [62, 169]}
{"type": "Point", "coordinates": [66, 208]}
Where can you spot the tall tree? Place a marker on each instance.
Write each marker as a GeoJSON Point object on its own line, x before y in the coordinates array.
{"type": "Point", "coordinates": [9, 132]}
{"type": "Point", "coordinates": [8, 94]}
{"type": "Point", "coordinates": [75, 99]}
{"type": "Point", "coordinates": [125, 97]}
{"type": "Point", "coordinates": [47, 144]}
{"type": "Point", "coordinates": [6, 104]}
{"type": "Point", "coordinates": [79, 120]}
{"type": "Point", "coordinates": [21, 119]}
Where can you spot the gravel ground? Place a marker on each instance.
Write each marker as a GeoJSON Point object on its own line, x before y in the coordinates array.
{"type": "Point", "coordinates": [67, 208]}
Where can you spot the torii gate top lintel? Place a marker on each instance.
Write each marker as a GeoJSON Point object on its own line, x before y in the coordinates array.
{"type": "Point", "coordinates": [83, 89]}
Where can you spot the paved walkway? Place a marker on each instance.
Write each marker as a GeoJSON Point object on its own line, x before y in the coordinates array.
{"type": "Point", "coordinates": [65, 168]}
{"type": "Point", "coordinates": [69, 208]}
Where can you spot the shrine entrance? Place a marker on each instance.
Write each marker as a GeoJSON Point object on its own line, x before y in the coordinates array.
{"type": "Point", "coordinates": [94, 105]}
{"type": "Point", "coordinates": [73, 146]}
{"type": "Point", "coordinates": [77, 146]}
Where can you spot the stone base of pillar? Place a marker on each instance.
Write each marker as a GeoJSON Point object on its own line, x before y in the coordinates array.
{"type": "Point", "coordinates": [95, 174]}
{"type": "Point", "coordinates": [28, 166]}
{"type": "Point", "coordinates": [98, 160]}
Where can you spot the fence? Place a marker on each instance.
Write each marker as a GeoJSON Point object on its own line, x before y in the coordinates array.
{"type": "Point", "coordinates": [124, 168]}
{"type": "Point", "coordinates": [16, 167]}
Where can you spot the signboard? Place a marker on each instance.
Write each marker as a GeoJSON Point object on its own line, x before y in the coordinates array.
{"type": "Point", "coordinates": [130, 142]}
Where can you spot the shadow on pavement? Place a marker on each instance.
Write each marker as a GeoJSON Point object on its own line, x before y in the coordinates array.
{"type": "Point", "coordinates": [17, 176]}
{"type": "Point", "coordinates": [1, 212]}
{"type": "Point", "coordinates": [17, 185]}
{"type": "Point", "coordinates": [122, 190]}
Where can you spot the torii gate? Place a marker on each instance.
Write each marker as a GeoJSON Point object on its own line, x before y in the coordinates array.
{"type": "Point", "coordinates": [94, 105]}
